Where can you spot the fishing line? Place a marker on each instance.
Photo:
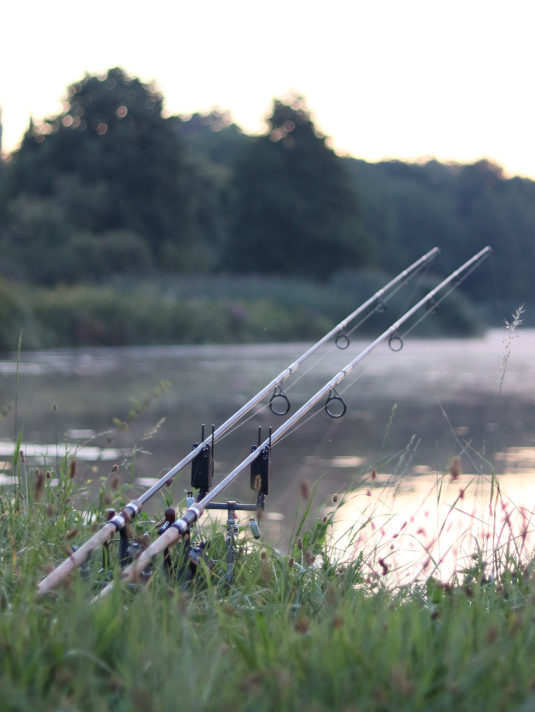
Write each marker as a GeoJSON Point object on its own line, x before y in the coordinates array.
{"type": "Point", "coordinates": [356, 377]}
{"type": "Point", "coordinates": [417, 282]}
{"type": "Point", "coordinates": [252, 414]}
{"type": "Point", "coordinates": [378, 308]}
{"type": "Point", "coordinates": [295, 428]}
{"type": "Point", "coordinates": [434, 305]}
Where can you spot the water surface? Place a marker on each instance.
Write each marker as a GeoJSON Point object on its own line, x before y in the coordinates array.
{"type": "Point", "coordinates": [408, 413]}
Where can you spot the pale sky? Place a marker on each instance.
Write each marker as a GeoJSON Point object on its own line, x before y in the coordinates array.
{"type": "Point", "coordinates": [383, 78]}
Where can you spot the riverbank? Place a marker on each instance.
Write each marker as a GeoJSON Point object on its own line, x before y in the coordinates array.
{"type": "Point", "coordinates": [208, 310]}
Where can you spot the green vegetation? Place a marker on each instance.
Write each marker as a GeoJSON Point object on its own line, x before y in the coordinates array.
{"type": "Point", "coordinates": [111, 190]}
{"type": "Point", "coordinates": [203, 310]}
{"type": "Point", "coordinates": [294, 631]}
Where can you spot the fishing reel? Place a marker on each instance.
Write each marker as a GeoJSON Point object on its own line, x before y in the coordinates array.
{"type": "Point", "coordinates": [128, 550]}
{"type": "Point", "coordinates": [182, 563]}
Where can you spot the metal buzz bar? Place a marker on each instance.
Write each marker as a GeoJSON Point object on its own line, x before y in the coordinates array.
{"type": "Point", "coordinates": [182, 525]}
{"type": "Point", "coordinates": [129, 512]}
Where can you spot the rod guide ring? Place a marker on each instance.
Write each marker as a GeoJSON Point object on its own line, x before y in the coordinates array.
{"type": "Point", "coordinates": [284, 403]}
{"type": "Point", "coordinates": [342, 340]}
{"type": "Point", "coordinates": [395, 342]}
{"type": "Point", "coordinates": [336, 400]}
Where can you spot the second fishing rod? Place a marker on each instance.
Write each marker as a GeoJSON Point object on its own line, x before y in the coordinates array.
{"type": "Point", "coordinates": [182, 526]}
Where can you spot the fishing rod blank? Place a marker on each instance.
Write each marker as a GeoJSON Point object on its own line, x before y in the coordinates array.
{"type": "Point", "coordinates": [130, 511]}
{"type": "Point", "coordinates": [182, 525]}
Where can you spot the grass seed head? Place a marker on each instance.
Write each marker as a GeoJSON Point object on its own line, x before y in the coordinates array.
{"type": "Point", "coordinates": [304, 488]}
{"type": "Point", "coordinates": [302, 624]}
{"type": "Point", "coordinates": [115, 481]}
{"type": "Point", "coordinates": [455, 469]}
{"type": "Point", "coordinates": [39, 484]}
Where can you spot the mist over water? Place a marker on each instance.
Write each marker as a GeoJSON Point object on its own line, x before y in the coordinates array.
{"type": "Point", "coordinates": [408, 413]}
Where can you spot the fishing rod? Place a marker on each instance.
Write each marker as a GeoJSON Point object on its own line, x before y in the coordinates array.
{"type": "Point", "coordinates": [181, 527]}
{"type": "Point", "coordinates": [279, 405]}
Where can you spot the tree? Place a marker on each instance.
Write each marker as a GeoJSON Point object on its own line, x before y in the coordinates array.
{"type": "Point", "coordinates": [113, 163]}
{"type": "Point", "coordinates": [296, 209]}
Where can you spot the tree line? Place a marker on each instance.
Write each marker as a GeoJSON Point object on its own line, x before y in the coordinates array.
{"type": "Point", "coordinates": [111, 187]}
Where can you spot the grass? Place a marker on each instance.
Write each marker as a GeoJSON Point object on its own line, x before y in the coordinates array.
{"type": "Point", "coordinates": [295, 630]}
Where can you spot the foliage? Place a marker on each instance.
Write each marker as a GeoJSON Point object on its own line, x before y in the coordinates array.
{"type": "Point", "coordinates": [296, 208]}
{"type": "Point", "coordinates": [411, 207]}
{"type": "Point", "coordinates": [109, 162]}
{"type": "Point", "coordinates": [203, 309]}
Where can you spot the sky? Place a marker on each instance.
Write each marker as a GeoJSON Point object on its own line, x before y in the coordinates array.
{"type": "Point", "coordinates": [403, 79]}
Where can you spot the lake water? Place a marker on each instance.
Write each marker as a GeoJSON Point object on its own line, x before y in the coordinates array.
{"type": "Point", "coordinates": [409, 414]}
